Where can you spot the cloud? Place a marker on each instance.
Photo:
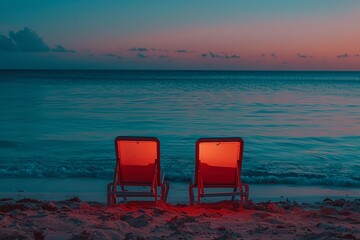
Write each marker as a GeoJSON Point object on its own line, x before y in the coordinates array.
{"type": "Point", "coordinates": [215, 55]}
{"type": "Point", "coordinates": [138, 49]}
{"type": "Point", "coordinates": [27, 40]}
{"type": "Point", "coordinates": [232, 56]}
{"type": "Point", "coordinates": [299, 55]}
{"type": "Point", "coordinates": [140, 55]}
{"type": "Point", "coordinates": [181, 51]}
{"type": "Point", "coordinates": [273, 55]}
{"type": "Point", "coordinates": [60, 48]}
{"type": "Point", "coordinates": [263, 55]}
{"type": "Point", "coordinates": [357, 55]}
{"type": "Point", "coordinates": [6, 44]}
{"type": "Point", "coordinates": [112, 55]}
{"type": "Point", "coordinates": [345, 55]}
{"type": "Point", "coordinates": [153, 49]}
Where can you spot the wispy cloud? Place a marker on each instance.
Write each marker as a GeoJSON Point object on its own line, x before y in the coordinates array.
{"type": "Point", "coordinates": [140, 49]}
{"type": "Point", "coordinates": [181, 51]}
{"type": "Point", "coordinates": [109, 55]}
{"type": "Point", "coordinates": [60, 48]}
{"type": "Point", "coordinates": [345, 55]}
{"type": "Point", "coordinates": [184, 51]}
{"type": "Point", "coordinates": [140, 55]}
{"type": "Point", "coordinates": [273, 55]}
{"type": "Point", "coordinates": [216, 55]}
{"type": "Point", "coordinates": [232, 56]}
{"type": "Point", "coordinates": [112, 55]}
{"type": "Point", "coordinates": [299, 55]}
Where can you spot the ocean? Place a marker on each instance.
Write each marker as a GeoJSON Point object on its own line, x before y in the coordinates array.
{"type": "Point", "coordinates": [299, 128]}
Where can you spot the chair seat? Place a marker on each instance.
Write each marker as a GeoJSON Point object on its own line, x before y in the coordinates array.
{"type": "Point", "coordinates": [215, 175]}
{"type": "Point", "coordinates": [137, 173]}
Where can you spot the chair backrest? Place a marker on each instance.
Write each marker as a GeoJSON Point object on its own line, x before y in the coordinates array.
{"type": "Point", "coordinates": [136, 159]}
{"type": "Point", "coordinates": [219, 160]}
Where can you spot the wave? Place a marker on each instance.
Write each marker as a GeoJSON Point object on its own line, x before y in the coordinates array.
{"type": "Point", "coordinates": [30, 171]}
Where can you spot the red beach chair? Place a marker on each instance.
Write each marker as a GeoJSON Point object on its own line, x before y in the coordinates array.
{"type": "Point", "coordinates": [218, 165]}
{"type": "Point", "coordinates": [137, 164]}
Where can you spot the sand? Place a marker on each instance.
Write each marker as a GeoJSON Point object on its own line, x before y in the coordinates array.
{"type": "Point", "coordinates": [36, 209]}
{"type": "Point", "coordinates": [76, 219]}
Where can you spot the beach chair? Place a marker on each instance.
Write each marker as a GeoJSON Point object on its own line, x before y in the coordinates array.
{"type": "Point", "coordinates": [218, 165]}
{"type": "Point", "coordinates": [137, 164]}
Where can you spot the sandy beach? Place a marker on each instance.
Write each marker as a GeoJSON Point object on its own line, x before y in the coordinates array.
{"type": "Point", "coordinates": [76, 219]}
{"type": "Point", "coordinates": [275, 212]}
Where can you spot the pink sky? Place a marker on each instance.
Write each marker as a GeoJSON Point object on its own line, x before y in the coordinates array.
{"type": "Point", "coordinates": [322, 35]}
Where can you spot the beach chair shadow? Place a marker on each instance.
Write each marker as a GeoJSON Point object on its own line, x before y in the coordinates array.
{"type": "Point", "coordinates": [218, 165]}
{"type": "Point", "coordinates": [137, 165]}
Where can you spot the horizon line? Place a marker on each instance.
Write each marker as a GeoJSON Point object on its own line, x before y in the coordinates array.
{"type": "Point", "coordinates": [173, 70]}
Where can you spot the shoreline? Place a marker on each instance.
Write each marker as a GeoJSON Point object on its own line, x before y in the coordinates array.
{"type": "Point", "coordinates": [93, 189]}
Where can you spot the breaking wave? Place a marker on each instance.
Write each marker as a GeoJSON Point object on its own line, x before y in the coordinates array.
{"type": "Point", "coordinates": [61, 171]}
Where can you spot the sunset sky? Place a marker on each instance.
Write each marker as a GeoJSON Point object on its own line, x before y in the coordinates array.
{"type": "Point", "coordinates": [207, 34]}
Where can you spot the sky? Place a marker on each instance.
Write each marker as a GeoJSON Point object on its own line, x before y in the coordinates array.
{"type": "Point", "coordinates": [180, 35]}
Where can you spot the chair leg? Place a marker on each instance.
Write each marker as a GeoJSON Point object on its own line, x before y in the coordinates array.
{"type": "Point", "coordinates": [191, 194]}
{"type": "Point", "coordinates": [246, 192]}
{"type": "Point", "coordinates": [163, 190]}
{"type": "Point", "coordinates": [233, 196]}
{"type": "Point", "coordinates": [199, 195]}
{"type": "Point", "coordinates": [123, 190]}
{"type": "Point", "coordinates": [167, 188]}
{"type": "Point", "coordinates": [111, 199]}
{"type": "Point", "coordinates": [241, 202]}
{"type": "Point", "coordinates": [156, 193]}
{"type": "Point", "coordinates": [241, 196]}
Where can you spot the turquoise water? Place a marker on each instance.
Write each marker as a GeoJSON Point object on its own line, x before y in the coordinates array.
{"type": "Point", "coordinates": [300, 128]}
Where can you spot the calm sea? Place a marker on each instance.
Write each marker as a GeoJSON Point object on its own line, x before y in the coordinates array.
{"type": "Point", "coordinates": [300, 128]}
